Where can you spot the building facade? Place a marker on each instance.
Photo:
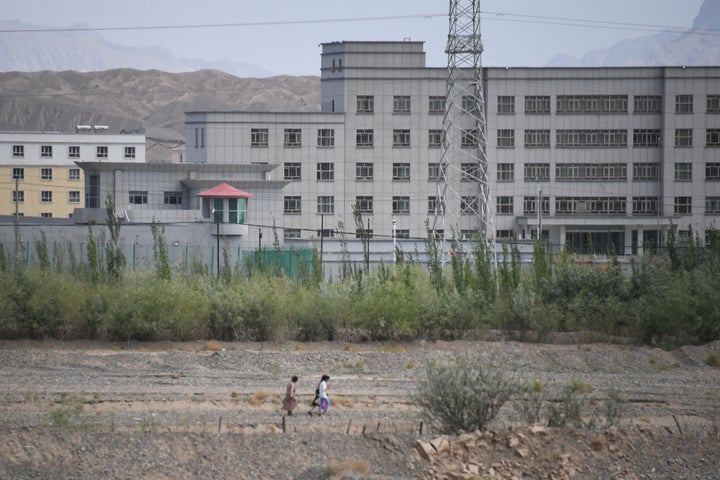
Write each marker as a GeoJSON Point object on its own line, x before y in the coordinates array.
{"type": "Point", "coordinates": [595, 159]}
{"type": "Point", "coordinates": [40, 176]}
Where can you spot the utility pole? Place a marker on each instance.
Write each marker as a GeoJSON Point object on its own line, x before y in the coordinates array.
{"type": "Point", "coordinates": [394, 231]}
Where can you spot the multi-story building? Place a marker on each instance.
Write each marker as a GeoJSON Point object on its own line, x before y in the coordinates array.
{"type": "Point", "coordinates": [595, 159]}
{"type": "Point", "coordinates": [611, 157]}
{"type": "Point", "coordinates": [39, 176]}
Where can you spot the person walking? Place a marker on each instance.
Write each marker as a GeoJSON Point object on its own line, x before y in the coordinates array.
{"type": "Point", "coordinates": [323, 399]}
{"type": "Point", "coordinates": [290, 402]}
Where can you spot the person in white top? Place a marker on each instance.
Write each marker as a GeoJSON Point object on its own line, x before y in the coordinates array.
{"type": "Point", "coordinates": [324, 401]}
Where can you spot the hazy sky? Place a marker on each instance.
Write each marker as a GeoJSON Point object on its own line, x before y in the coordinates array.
{"type": "Point", "coordinates": [291, 47]}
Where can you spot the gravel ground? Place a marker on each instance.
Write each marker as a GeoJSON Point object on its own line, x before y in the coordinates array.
{"type": "Point", "coordinates": [184, 410]}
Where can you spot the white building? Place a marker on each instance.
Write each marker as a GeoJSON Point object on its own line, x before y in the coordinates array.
{"type": "Point", "coordinates": [618, 154]}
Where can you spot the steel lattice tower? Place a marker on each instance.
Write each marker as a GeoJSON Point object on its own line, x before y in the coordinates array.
{"type": "Point", "coordinates": [462, 187]}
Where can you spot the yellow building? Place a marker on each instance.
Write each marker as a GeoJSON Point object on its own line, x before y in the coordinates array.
{"type": "Point", "coordinates": [38, 174]}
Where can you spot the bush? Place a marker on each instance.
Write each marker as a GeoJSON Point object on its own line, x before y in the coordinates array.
{"type": "Point", "coordinates": [464, 395]}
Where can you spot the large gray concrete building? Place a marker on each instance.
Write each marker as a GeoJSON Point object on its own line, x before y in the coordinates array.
{"type": "Point", "coordinates": [615, 155]}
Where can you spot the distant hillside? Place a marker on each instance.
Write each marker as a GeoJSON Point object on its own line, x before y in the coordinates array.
{"type": "Point", "coordinates": [88, 51]}
{"type": "Point", "coordinates": [135, 100]}
{"type": "Point", "coordinates": [697, 47]}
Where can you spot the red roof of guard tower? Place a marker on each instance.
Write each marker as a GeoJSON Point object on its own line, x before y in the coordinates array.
{"type": "Point", "coordinates": [224, 191]}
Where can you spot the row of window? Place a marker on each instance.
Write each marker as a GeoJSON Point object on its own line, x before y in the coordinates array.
{"type": "Point", "coordinates": [586, 138]}
{"type": "Point", "coordinates": [46, 151]}
{"type": "Point", "coordinates": [564, 206]}
{"type": "Point", "coordinates": [540, 104]}
{"type": "Point", "coordinates": [46, 196]}
{"type": "Point", "coordinates": [46, 173]}
{"type": "Point", "coordinates": [533, 172]}
{"type": "Point", "coordinates": [603, 138]}
{"type": "Point", "coordinates": [140, 197]}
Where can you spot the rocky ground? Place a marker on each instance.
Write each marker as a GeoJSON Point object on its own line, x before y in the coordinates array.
{"type": "Point", "coordinates": [84, 410]}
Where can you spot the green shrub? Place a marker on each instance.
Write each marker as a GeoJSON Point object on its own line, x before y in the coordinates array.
{"type": "Point", "coordinates": [465, 394]}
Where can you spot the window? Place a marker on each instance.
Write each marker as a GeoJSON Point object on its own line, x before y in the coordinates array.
{"type": "Point", "coordinates": [291, 171]}
{"type": "Point", "coordinates": [364, 204]}
{"type": "Point", "coordinates": [713, 104]}
{"type": "Point", "coordinates": [401, 171]}
{"type": "Point", "coordinates": [46, 214]}
{"type": "Point", "coordinates": [18, 151]}
{"type": "Point", "coordinates": [683, 104]}
{"type": "Point", "coordinates": [642, 206]}
{"type": "Point", "coordinates": [712, 171]}
{"type": "Point", "coordinates": [258, 137]}
{"type": "Point", "coordinates": [646, 137]}
{"type": "Point", "coordinates": [647, 104]}
{"type": "Point", "coordinates": [712, 206]}
{"type": "Point", "coordinates": [102, 151]}
{"type": "Point", "coordinates": [402, 233]}
{"type": "Point", "coordinates": [506, 138]}
{"type": "Point", "coordinates": [401, 104]}
{"type": "Point", "coordinates": [683, 137]}
{"type": "Point", "coordinates": [18, 196]}
{"type": "Point", "coordinates": [325, 137]}
{"type": "Point", "coordinates": [505, 172]}
{"type": "Point", "coordinates": [325, 171]}
{"type": "Point", "coordinates": [683, 172]}
{"type": "Point", "coordinates": [46, 174]}
{"type": "Point", "coordinates": [645, 171]}
{"type": "Point", "coordinates": [591, 138]}
{"type": "Point", "coordinates": [18, 173]}
{"type": "Point", "coordinates": [591, 104]}
{"type": "Point", "coordinates": [365, 104]}
{"type": "Point", "coordinates": [73, 174]}
{"type": "Point", "coordinates": [292, 138]}
{"type": "Point", "coordinates": [74, 151]}
{"type": "Point", "coordinates": [470, 172]}
{"type": "Point", "coordinates": [504, 234]}
{"type": "Point", "coordinates": [364, 138]}
{"type": "Point", "coordinates": [291, 205]}
{"type": "Point", "coordinates": [290, 233]}
{"type": "Point", "coordinates": [506, 105]}
{"type": "Point", "coordinates": [74, 196]}
{"type": "Point", "coordinates": [434, 171]}
{"type": "Point", "coordinates": [712, 137]}
{"type": "Point", "coordinates": [401, 138]}
{"type": "Point", "coordinates": [45, 196]}
{"type": "Point", "coordinates": [590, 172]}
{"type": "Point", "coordinates": [469, 139]}
{"type": "Point", "coordinates": [363, 171]}
{"type": "Point", "coordinates": [400, 205]}
{"type": "Point", "coordinates": [435, 206]}
{"type": "Point", "coordinates": [504, 206]}
{"type": "Point", "coordinates": [325, 204]}
{"type": "Point", "coordinates": [138, 197]}
{"type": "Point", "coordinates": [537, 172]}
{"type": "Point", "coordinates": [537, 138]}
{"type": "Point", "coordinates": [326, 233]}
{"type": "Point", "coordinates": [436, 105]}
{"type": "Point", "coordinates": [530, 205]}
{"type": "Point", "coordinates": [583, 206]}
{"type": "Point", "coordinates": [537, 105]}
{"type": "Point", "coordinates": [469, 234]}
{"type": "Point", "coordinates": [435, 138]}
{"type": "Point", "coordinates": [471, 105]}
{"type": "Point", "coordinates": [129, 152]}
{"type": "Point", "coordinates": [683, 206]}
{"type": "Point", "coordinates": [46, 151]}
{"type": "Point", "coordinates": [172, 198]}
{"type": "Point", "coordinates": [469, 205]}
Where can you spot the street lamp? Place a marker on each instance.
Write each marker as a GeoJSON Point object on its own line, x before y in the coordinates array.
{"type": "Point", "coordinates": [394, 221]}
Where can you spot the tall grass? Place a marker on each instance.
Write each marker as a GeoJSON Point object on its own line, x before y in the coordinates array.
{"type": "Point", "coordinates": [663, 299]}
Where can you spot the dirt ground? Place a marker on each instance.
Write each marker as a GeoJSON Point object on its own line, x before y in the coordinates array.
{"type": "Point", "coordinates": [208, 410]}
